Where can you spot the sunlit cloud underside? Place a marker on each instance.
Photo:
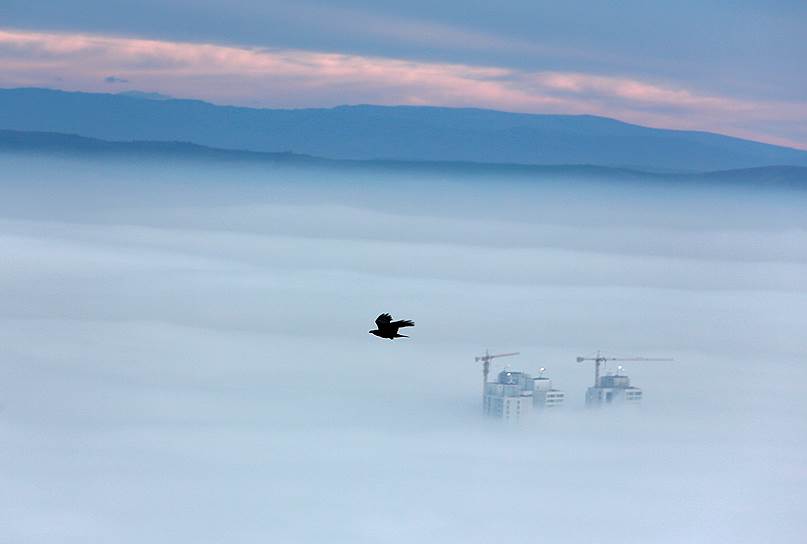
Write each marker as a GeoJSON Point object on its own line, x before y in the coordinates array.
{"type": "Point", "coordinates": [271, 77]}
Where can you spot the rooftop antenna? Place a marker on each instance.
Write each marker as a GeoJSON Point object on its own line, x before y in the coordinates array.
{"type": "Point", "coordinates": [541, 372]}
{"type": "Point", "coordinates": [486, 359]}
{"type": "Point", "coordinates": [599, 359]}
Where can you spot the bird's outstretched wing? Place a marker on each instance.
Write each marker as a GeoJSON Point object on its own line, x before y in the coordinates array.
{"type": "Point", "coordinates": [403, 323]}
{"type": "Point", "coordinates": [383, 320]}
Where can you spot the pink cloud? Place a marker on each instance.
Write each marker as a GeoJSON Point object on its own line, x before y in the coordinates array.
{"type": "Point", "coordinates": [295, 78]}
{"type": "Point", "coordinates": [631, 90]}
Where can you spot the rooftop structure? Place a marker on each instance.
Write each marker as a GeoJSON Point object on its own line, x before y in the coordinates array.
{"type": "Point", "coordinates": [613, 389]}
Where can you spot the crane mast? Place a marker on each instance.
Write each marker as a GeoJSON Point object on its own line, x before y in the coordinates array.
{"type": "Point", "coordinates": [485, 360]}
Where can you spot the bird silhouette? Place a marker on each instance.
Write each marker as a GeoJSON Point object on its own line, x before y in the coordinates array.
{"type": "Point", "coordinates": [387, 328]}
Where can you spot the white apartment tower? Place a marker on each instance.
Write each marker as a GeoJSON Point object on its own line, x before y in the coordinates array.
{"type": "Point", "coordinates": [516, 395]}
{"type": "Point", "coordinates": [613, 389]}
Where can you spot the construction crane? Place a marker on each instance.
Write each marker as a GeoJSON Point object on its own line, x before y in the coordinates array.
{"type": "Point", "coordinates": [486, 359]}
{"type": "Point", "coordinates": [599, 359]}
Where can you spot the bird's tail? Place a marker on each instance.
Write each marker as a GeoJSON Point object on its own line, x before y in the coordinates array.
{"type": "Point", "coordinates": [400, 336]}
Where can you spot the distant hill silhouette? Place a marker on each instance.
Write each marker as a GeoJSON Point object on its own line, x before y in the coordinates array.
{"type": "Point", "coordinates": [380, 132]}
{"type": "Point", "coordinates": [53, 144]}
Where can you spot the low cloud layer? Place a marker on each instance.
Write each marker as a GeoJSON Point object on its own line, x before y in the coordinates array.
{"type": "Point", "coordinates": [186, 356]}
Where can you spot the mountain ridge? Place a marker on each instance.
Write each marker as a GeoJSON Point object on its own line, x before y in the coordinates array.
{"type": "Point", "coordinates": [57, 144]}
{"type": "Point", "coordinates": [408, 133]}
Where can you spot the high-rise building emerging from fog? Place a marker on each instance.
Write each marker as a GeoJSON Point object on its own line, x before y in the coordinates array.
{"type": "Point", "coordinates": [516, 395]}
{"type": "Point", "coordinates": [613, 389]}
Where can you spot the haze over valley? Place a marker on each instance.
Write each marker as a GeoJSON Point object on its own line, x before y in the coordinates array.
{"type": "Point", "coordinates": [186, 352]}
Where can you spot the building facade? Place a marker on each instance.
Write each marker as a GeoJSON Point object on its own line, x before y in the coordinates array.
{"type": "Point", "coordinates": [613, 389]}
{"type": "Point", "coordinates": [514, 396]}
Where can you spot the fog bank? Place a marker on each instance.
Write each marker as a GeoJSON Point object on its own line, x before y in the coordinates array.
{"type": "Point", "coordinates": [186, 358]}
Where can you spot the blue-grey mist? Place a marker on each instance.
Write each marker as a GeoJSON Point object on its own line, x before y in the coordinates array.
{"type": "Point", "coordinates": [185, 355]}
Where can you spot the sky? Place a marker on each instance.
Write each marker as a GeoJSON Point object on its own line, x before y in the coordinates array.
{"type": "Point", "coordinates": [729, 67]}
{"type": "Point", "coordinates": [185, 356]}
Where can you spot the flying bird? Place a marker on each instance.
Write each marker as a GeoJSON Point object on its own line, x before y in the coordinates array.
{"type": "Point", "coordinates": [387, 328]}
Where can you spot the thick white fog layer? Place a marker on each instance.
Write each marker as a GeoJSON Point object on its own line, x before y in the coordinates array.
{"type": "Point", "coordinates": [185, 356]}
